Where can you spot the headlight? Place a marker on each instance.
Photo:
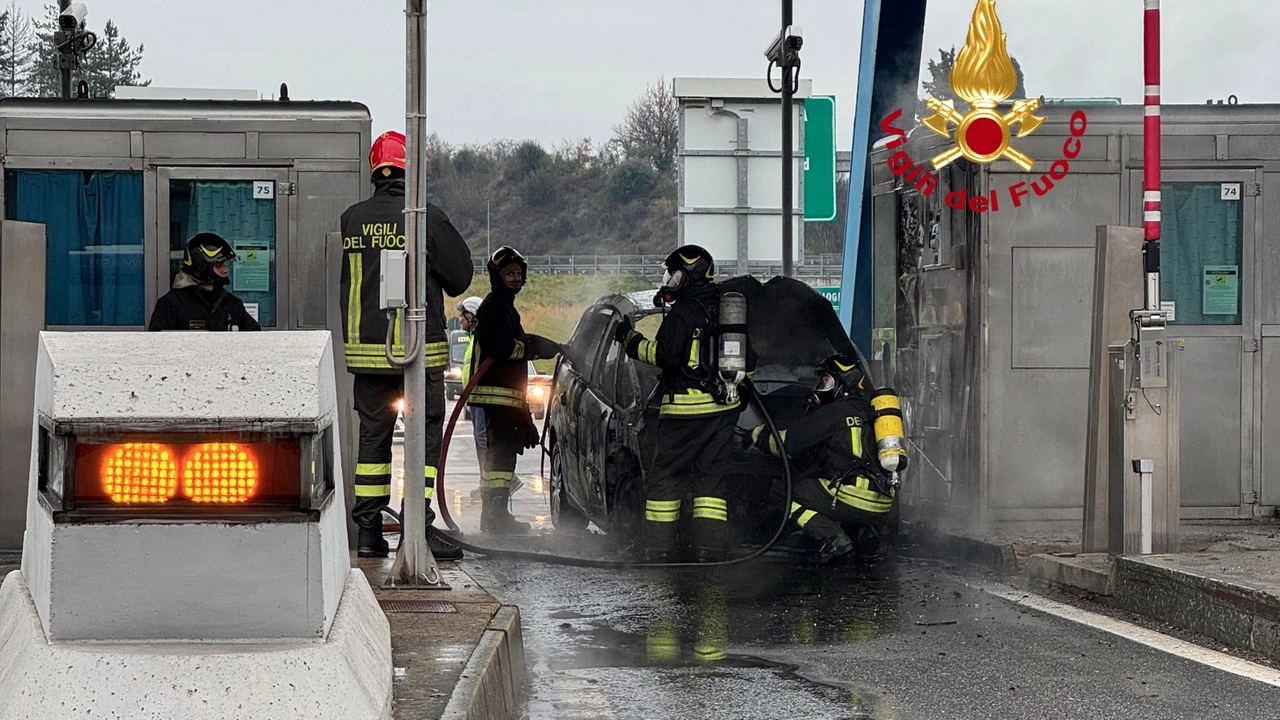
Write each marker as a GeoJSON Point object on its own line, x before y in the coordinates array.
{"type": "Point", "coordinates": [537, 392]}
{"type": "Point", "coordinates": [398, 405]}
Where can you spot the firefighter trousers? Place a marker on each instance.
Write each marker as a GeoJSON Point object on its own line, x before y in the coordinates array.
{"type": "Point", "coordinates": [506, 432]}
{"type": "Point", "coordinates": [821, 516]}
{"type": "Point", "coordinates": [691, 457]}
{"type": "Point", "coordinates": [375, 396]}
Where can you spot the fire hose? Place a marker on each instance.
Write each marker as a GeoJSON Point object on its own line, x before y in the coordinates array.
{"type": "Point", "coordinates": [455, 536]}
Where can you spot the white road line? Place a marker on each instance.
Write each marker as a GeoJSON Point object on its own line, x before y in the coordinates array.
{"type": "Point", "coordinates": [1140, 635]}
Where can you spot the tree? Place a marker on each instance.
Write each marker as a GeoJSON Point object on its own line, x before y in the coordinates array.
{"type": "Point", "coordinates": [15, 51]}
{"type": "Point", "coordinates": [112, 61]}
{"type": "Point", "coordinates": [651, 131]}
{"type": "Point", "coordinates": [632, 180]}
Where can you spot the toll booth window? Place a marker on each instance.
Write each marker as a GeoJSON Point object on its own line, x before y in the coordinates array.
{"type": "Point", "coordinates": [1200, 253]}
{"type": "Point", "coordinates": [94, 228]}
{"type": "Point", "coordinates": [230, 209]}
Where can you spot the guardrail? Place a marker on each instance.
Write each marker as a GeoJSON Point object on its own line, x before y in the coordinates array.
{"type": "Point", "coordinates": [817, 266]}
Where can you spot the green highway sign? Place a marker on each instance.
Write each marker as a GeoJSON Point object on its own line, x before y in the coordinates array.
{"type": "Point", "coordinates": [832, 294]}
{"type": "Point", "coordinates": [820, 159]}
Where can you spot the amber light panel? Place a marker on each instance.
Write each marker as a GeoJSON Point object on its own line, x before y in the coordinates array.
{"type": "Point", "coordinates": [222, 473]}
{"type": "Point", "coordinates": [139, 474]}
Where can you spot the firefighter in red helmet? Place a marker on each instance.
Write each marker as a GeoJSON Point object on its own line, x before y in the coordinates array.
{"type": "Point", "coordinates": [368, 228]}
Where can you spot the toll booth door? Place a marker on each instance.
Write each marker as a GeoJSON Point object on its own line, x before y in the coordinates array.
{"type": "Point", "coordinates": [1207, 282]}
{"type": "Point", "coordinates": [243, 206]}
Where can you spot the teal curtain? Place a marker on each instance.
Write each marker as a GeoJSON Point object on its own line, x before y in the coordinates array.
{"type": "Point", "coordinates": [94, 229]}
{"type": "Point", "coordinates": [1199, 229]}
{"type": "Point", "coordinates": [229, 209]}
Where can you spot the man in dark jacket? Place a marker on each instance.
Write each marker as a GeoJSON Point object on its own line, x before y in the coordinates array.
{"type": "Point", "coordinates": [839, 482]}
{"type": "Point", "coordinates": [199, 300]}
{"type": "Point", "coordinates": [696, 420]}
{"type": "Point", "coordinates": [501, 392]}
{"type": "Point", "coordinates": [368, 228]}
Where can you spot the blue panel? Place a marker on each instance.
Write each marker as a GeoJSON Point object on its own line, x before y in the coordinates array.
{"type": "Point", "coordinates": [93, 222]}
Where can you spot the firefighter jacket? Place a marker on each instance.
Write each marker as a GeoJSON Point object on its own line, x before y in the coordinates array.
{"type": "Point", "coordinates": [684, 349]}
{"type": "Point", "coordinates": [368, 228]}
{"type": "Point", "coordinates": [188, 307]}
{"type": "Point", "coordinates": [837, 445]}
{"type": "Point", "coordinates": [499, 335]}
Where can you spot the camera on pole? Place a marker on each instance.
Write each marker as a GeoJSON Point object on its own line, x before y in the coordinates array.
{"type": "Point", "coordinates": [72, 40]}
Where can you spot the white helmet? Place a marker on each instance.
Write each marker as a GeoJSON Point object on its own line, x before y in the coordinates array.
{"type": "Point", "coordinates": [470, 305]}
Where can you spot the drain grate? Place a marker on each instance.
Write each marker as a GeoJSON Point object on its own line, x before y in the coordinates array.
{"type": "Point", "coordinates": [417, 606]}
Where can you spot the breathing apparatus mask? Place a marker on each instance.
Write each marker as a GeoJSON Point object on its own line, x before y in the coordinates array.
{"type": "Point", "coordinates": [688, 267]}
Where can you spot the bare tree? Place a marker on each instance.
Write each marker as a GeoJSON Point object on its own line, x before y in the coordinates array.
{"type": "Point", "coordinates": [651, 131]}
{"type": "Point", "coordinates": [15, 51]}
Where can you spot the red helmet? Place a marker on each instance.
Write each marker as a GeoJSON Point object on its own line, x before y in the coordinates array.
{"type": "Point", "coordinates": [387, 152]}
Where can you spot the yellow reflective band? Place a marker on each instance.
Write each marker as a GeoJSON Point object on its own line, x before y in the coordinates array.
{"type": "Point", "coordinates": [709, 514]}
{"type": "Point", "coordinates": [710, 502]}
{"type": "Point", "coordinates": [661, 517]}
{"type": "Point", "coordinates": [773, 442]}
{"type": "Point", "coordinates": [647, 352]}
{"type": "Point", "coordinates": [662, 511]}
{"type": "Point", "coordinates": [499, 475]}
{"type": "Point", "coordinates": [372, 490]}
{"type": "Point", "coordinates": [372, 349]}
{"type": "Point", "coordinates": [429, 492]}
{"type": "Point", "coordinates": [373, 468]}
{"type": "Point", "coordinates": [805, 517]}
{"type": "Point", "coordinates": [353, 296]}
{"type": "Point", "coordinates": [710, 508]}
{"type": "Point", "coordinates": [494, 395]}
{"type": "Point", "coordinates": [693, 351]}
{"type": "Point", "coordinates": [517, 352]}
{"type": "Point", "coordinates": [662, 504]}
{"type": "Point", "coordinates": [431, 473]}
{"type": "Point", "coordinates": [860, 496]}
{"type": "Point", "coordinates": [395, 329]}
{"type": "Point", "coordinates": [708, 652]}
{"type": "Point", "coordinates": [855, 440]}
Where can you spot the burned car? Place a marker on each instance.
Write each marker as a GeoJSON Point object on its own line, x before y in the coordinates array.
{"type": "Point", "coordinates": [604, 410]}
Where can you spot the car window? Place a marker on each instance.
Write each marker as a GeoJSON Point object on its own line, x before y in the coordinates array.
{"type": "Point", "coordinates": [585, 344]}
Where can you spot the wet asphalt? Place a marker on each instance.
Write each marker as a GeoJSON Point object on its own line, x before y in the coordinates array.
{"type": "Point", "coordinates": [908, 637]}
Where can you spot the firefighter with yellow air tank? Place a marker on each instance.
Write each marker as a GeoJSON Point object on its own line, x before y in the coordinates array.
{"type": "Point", "coordinates": [368, 228]}
{"type": "Point", "coordinates": [847, 449]}
{"type": "Point", "coordinates": [696, 417]}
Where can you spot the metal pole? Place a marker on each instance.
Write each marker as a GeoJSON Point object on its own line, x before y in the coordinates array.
{"type": "Point", "coordinates": [414, 564]}
{"type": "Point", "coordinates": [66, 70]}
{"type": "Point", "coordinates": [787, 112]}
{"type": "Point", "coordinates": [488, 240]}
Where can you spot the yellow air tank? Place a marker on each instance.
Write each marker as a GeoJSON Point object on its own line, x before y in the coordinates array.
{"type": "Point", "coordinates": [891, 443]}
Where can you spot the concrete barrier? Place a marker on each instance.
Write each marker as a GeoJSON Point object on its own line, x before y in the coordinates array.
{"type": "Point", "coordinates": [491, 682]}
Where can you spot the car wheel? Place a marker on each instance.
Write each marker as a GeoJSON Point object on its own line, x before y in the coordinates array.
{"type": "Point", "coordinates": [563, 515]}
{"type": "Point", "coordinates": [626, 511]}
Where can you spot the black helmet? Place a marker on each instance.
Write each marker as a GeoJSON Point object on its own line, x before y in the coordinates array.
{"type": "Point", "coordinates": [838, 376]}
{"type": "Point", "coordinates": [204, 251]}
{"type": "Point", "coordinates": [690, 266]}
{"type": "Point", "coordinates": [501, 258]}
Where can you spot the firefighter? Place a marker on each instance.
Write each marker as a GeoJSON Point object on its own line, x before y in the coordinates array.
{"type": "Point", "coordinates": [199, 300]}
{"type": "Point", "coordinates": [843, 485]}
{"type": "Point", "coordinates": [501, 392]}
{"type": "Point", "coordinates": [696, 423]}
{"type": "Point", "coordinates": [467, 310]}
{"type": "Point", "coordinates": [368, 228]}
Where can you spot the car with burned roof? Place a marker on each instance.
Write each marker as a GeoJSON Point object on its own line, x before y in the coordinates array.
{"type": "Point", "coordinates": [604, 409]}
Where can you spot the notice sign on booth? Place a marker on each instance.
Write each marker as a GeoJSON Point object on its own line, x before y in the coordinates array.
{"type": "Point", "coordinates": [1221, 290]}
{"type": "Point", "coordinates": [252, 269]}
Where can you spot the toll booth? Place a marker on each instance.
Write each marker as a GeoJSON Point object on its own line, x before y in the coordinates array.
{"type": "Point", "coordinates": [120, 185]}
{"type": "Point", "coordinates": [983, 295]}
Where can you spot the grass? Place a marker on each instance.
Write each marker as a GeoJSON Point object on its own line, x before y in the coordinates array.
{"type": "Point", "coordinates": [551, 305]}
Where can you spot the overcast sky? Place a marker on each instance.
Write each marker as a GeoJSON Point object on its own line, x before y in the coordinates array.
{"type": "Point", "coordinates": [554, 70]}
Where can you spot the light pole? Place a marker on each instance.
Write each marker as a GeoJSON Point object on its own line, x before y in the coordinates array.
{"type": "Point", "coordinates": [488, 245]}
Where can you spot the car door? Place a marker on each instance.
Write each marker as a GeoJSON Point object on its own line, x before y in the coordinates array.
{"type": "Point", "coordinates": [594, 408]}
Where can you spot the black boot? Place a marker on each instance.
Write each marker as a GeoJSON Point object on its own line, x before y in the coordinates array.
{"type": "Point", "coordinates": [371, 543]}
{"type": "Point", "coordinates": [495, 518]}
{"type": "Point", "coordinates": [441, 548]}
{"type": "Point", "coordinates": [709, 555]}
{"type": "Point", "coordinates": [835, 547]}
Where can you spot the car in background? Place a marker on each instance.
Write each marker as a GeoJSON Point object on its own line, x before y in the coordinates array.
{"type": "Point", "coordinates": [458, 340]}
{"type": "Point", "coordinates": [604, 413]}
{"type": "Point", "coordinates": [538, 392]}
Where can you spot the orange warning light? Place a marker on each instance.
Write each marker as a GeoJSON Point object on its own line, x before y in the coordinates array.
{"type": "Point", "coordinates": [139, 473]}
{"type": "Point", "coordinates": [220, 473]}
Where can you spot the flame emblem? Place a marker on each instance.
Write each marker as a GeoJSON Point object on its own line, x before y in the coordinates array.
{"type": "Point", "coordinates": [984, 76]}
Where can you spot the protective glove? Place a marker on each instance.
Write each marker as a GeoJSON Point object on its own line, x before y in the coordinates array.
{"type": "Point", "coordinates": [541, 348]}
{"type": "Point", "coordinates": [624, 329]}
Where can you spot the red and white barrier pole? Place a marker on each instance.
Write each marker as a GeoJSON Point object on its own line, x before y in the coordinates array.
{"type": "Point", "coordinates": [1151, 154]}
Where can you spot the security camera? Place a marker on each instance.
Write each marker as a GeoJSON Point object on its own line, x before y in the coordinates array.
{"type": "Point", "coordinates": [73, 17]}
{"type": "Point", "coordinates": [790, 39]}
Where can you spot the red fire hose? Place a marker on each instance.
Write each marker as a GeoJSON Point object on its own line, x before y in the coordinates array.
{"type": "Point", "coordinates": [444, 443]}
